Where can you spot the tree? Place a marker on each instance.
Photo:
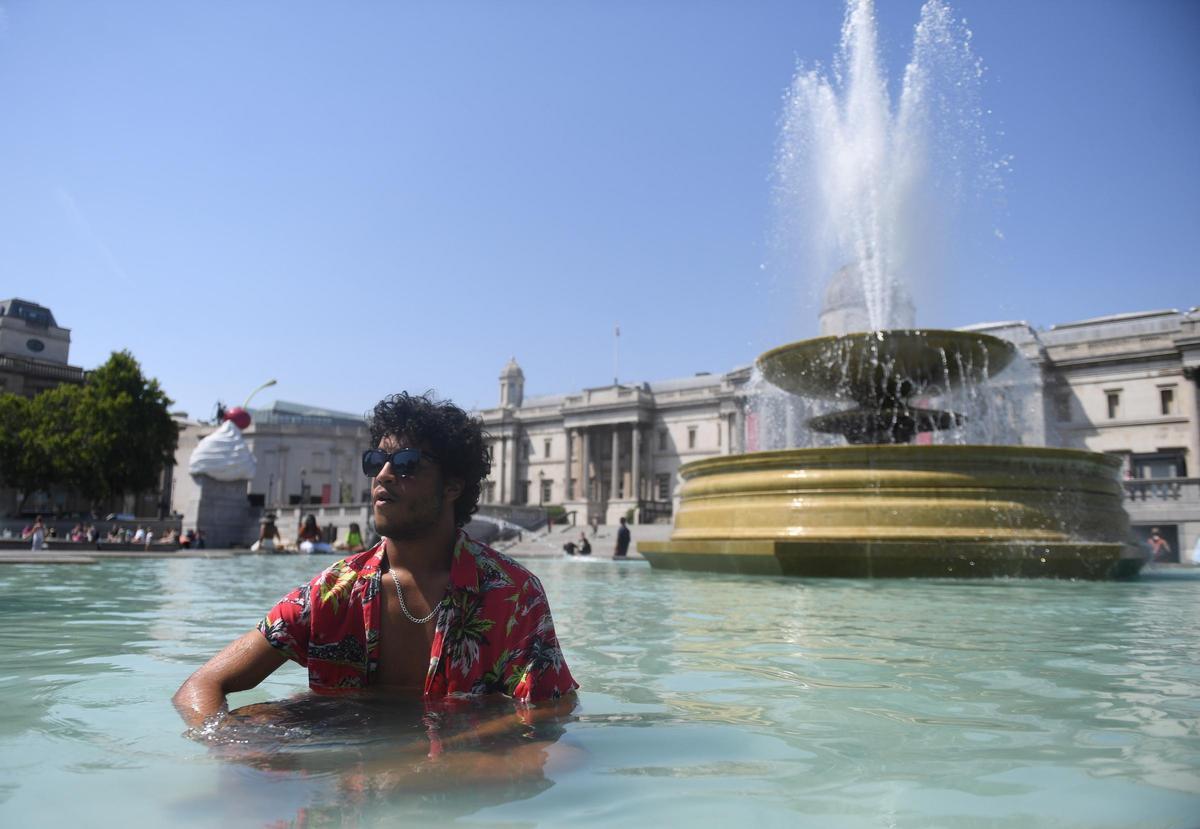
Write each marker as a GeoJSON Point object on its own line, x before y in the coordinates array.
{"type": "Point", "coordinates": [21, 466]}
{"type": "Point", "coordinates": [132, 434]}
{"type": "Point", "coordinates": [107, 438]}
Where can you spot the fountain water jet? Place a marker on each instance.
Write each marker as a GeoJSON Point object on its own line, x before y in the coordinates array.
{"type": "Point", "coordinates": [880, 507]}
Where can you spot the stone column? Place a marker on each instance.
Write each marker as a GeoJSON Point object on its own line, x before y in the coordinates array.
{"type": "Point", "coordinates": [282, 480]}
{"type": "Point", "coordinates": [513, 464]}
{"type": "Point", "coordinates": [615, 472]}
{"type": "Point", "coordinates": [585, 493]}
{"type": "Point", "coordinates": [503, 476]}
{"type": "Point", "coordinates": [637, 462]}
{"type": "Point", "coordinates": [567, 466]}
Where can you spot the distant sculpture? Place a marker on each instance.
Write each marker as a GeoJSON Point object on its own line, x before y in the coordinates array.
{"type": "Point", "coordinates": [222, 466]}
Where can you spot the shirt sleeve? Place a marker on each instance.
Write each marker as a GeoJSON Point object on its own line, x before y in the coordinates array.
{"type": "Point", "coordinates": [285, 626]}
{"type": "Point", "coordinates": [538, 671]}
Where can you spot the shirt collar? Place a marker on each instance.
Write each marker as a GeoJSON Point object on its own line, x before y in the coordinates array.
{"type": "Point", "coordinates": [464, 575]}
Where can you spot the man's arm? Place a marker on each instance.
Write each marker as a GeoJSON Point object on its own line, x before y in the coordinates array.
{"type": "Point", "coordinates": [243, 664]}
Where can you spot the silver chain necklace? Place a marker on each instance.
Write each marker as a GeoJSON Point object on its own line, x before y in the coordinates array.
{"type": "Point", "coordinates": [404, 607]}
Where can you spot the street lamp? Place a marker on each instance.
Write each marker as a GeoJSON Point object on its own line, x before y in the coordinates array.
{"type": "Point", "coordinates": [265, 385]}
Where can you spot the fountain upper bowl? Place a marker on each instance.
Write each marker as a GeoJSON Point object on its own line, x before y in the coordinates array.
{"type": "Point", "coordinates": [877, 368]}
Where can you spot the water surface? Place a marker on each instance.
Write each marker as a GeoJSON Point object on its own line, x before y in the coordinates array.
{"type": "Point", "coordinates": [706, 698]}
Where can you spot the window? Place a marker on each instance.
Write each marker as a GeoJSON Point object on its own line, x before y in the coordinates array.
{"type": "Point", "coordinates": [1114, 404]}
{"type": "Point", "coordinates": [718, 435]}
{"type": "Point", "coordinates": [546, 444]}
{"type": "Point", "coordinates": [1166, 400]}
{"type": "Point", "coordinates": [571, 489]}
{"type": "Point", "coordinates": [547, 489]}
{"type": "Point", "coordinates": [662, 486]}
{"type": "Point", "coordinates": [1166, 463]}
{"type": "Point", "coordinates": [489, 492]}
{"type": "Point", "coordinates": [691, 437]}
{"type": "Point", "coordinates": [662, 440]}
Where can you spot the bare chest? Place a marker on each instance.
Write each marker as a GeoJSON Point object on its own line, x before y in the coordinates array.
{"type": "Point", "coordinates": [404, 646]}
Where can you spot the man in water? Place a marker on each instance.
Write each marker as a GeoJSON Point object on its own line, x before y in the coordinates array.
{"type": "Point", "coordinates": [1160, 550]}
{"type": "Point", "coordinates": [427, 612]}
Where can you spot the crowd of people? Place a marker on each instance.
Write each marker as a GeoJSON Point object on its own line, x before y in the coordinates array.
{"type": "Point", "coordinates": [310, 538]}
{"type": "Point", "coordinates": [40, 535]}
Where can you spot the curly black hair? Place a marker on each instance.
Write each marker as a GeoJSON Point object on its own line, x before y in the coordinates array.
{"type": "Point", "coordinates": [455, 438]}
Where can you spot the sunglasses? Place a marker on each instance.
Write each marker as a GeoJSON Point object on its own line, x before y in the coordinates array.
{"type": "Point", "coordinates": [404, 461]}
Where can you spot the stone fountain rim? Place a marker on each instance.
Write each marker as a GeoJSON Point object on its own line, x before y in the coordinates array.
{"type": "Point", "coordinates": [915, 455]}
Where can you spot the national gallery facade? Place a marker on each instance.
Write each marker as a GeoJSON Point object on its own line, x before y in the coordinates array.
{"type": "Point", "coordinates": [1123, 384]}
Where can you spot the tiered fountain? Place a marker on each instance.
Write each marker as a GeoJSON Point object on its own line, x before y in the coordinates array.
{"type": "Point", "coordinates": [881, 506]}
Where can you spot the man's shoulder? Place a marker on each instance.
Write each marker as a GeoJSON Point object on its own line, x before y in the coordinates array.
{"type": "Point", "coordinates": [359, 564]}
{"type": "Point", "coordinates": [496, 569]}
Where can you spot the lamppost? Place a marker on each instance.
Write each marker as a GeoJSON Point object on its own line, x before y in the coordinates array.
{"type": "Point", "coordinates": [265, 385]}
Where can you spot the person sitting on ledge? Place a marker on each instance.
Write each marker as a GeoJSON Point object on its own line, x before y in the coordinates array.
{"type": "Point", "coordinates": [269, 540]}
{"type": "Point", "coordinates": [309, 538]}
{"type": "Point", "coordinates": [353, 542]}
{"type": "Point", "coordinates": [428, 612]}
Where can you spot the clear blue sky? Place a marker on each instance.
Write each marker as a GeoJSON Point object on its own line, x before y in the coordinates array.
{"type": "Point", "coordinates": [359, 198]}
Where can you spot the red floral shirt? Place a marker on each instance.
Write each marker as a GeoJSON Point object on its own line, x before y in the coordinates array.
{"type": "Point", "coordinates": [493, 628]}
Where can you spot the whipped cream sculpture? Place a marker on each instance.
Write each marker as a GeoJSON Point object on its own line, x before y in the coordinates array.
{"type": "Point", "coordinates": [224, 455]}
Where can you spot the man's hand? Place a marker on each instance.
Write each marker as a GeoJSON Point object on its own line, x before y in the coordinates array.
{"type": "Point", "coordinates": [243, 664]}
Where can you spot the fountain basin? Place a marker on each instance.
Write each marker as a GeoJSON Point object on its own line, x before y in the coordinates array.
{"type": "Point", "coordinates": [903, 511]}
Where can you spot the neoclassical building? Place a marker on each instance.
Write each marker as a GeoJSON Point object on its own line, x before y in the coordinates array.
{"type": "Point", "coordinates": [33, 349]}
{"type": "Point", "coordinates": [602, 452]}
{"type": "Point", "coordinates": [1124, 384]}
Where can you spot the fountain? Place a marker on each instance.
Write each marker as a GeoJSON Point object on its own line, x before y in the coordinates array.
{"type": "Point", "coordinates": [881, 506]}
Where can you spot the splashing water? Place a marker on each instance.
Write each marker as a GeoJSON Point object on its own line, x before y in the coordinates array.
{"type": "Point", "coordinates": [865, 185]}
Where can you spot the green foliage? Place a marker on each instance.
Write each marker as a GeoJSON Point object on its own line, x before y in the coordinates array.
{"type": "Point", "coordinates": [23, 464]}
{"type": "Point", "coordinates": [111, 436]}
{"type": "Point", "coordinates": [132, 431]}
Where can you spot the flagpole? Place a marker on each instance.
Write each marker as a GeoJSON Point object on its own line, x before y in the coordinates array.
{"type": "Point", "coordinates": [616, 353]}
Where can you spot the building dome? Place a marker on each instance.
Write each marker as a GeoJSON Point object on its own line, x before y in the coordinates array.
{"type": "Point", "coordinates": [511, 369]}
{"type": "Point", "coordinates": [844, 308]}
{"type": "Point", "coordinates": [512, 384]}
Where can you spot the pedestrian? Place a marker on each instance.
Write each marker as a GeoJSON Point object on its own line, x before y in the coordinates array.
{"type": "Point", "coordinates": [622, 548]}
{"type": "Point", "coordinates": [36, 532]}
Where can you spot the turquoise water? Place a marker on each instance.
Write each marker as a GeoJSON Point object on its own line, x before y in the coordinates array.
{"type": "Point", "coordinates": [707, 700]}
